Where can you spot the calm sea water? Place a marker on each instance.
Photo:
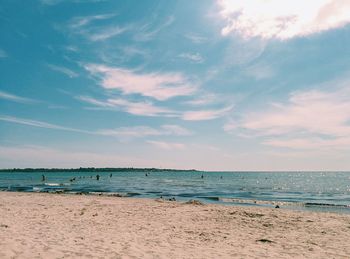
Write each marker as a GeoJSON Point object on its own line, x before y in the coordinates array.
{"type": "Point", "coordinates": [298, 190]}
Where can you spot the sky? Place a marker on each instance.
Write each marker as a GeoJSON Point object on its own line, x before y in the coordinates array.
{"type": "Point", "coordinates": [209, 85]}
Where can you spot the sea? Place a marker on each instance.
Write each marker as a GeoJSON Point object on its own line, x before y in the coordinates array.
{"type": "Point", "coordinates": [316, 191]}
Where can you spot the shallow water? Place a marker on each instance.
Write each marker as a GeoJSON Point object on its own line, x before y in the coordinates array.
{"type": "Point", "coordinates": [328, 191]}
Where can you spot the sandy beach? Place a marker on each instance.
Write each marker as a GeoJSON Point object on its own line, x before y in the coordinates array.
{"type": "Point", "coordinates": [34, 225]}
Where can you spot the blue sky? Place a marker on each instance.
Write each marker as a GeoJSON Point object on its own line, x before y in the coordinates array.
{"type": "Point", "coordinates": [213, 85]}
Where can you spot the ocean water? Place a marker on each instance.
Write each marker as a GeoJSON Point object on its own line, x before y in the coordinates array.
{"type": "Point", "coordinates": [328, 191]}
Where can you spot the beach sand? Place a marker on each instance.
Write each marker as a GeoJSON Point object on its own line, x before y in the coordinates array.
{"type": "Point", "coordinates": [34, 225]}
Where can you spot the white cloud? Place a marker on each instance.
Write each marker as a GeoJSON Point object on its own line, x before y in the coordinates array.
{"type": "Point", "coordinates": [193, 57]}
{"type": "Point", "coordinates": [167, 145]}
{"type": "Point", "coordinates": [15, 98]}
{"type": "Point", "coordinates": [313, 111]}
{"type": "Point", "coordinates": [68, 72]}
{"type": "Point", "coordinates": [282, 19]}
{"type": "Point", "coordinates": [309, 119]}
{"type": "Point", "coordinates": [201, 115]}
{"type": "Point", "coordinates": [160, 86]}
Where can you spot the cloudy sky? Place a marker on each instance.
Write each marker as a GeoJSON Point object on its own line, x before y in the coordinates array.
{"type": "Point", "coordinates": [214, 85]}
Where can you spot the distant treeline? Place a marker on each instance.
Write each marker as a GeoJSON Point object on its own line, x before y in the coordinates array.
{"type": "Point", "coordinates": [93, 169]}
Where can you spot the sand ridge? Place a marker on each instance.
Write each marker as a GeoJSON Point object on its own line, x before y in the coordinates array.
{"type": "Point", "coordinates": [36, 225]}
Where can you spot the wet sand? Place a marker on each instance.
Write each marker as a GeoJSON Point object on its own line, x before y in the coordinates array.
{"type": "Point", "coordinates": [36, 225]}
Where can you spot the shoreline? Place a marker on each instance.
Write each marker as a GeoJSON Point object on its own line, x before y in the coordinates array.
{"type": "Point", "coordinates": [241, 202]}
{"type": "Point", "coordinates": [54, 226]}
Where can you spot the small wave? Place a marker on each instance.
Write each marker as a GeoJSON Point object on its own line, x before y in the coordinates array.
{"type": "Point", "coordinates": [247, 201]}
{"type": "Point", "coordinates": [54, 184]}
{"type": "Point", "coordinates": [212, 198]}
{"type": "Point", "coordinates": [186, 195]}
{"type": "Point", "coordinates": [280, 203]}
{"type": "Point", "coordinates": [112, 194]}
{"type": "Point", "coordinates": [37, 189]}
{"type": "Point", "coordinates": [20, 188]}
{"type": "Point", "coordinates": [262, 202]}
{"type": "Point", "coordinates": [315, 204]}
{"type": "Point", "coordinates": [257, 202]}
{"type": "Point", "coordinates": [168, 180]}
{"type": "Point", "coordinates": [94, 193]}
{"type": "Point", "coordinates": [131, 194]}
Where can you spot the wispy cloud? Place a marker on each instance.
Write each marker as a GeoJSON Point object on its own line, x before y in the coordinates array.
{"type": "Point", "coordinates": [80, 21]}
{"type": "Point", "coordinates": [167, 145]}
{"type": "Point", "coordinates": [86, 26]}
{"type": "Point", "coordinates": [51, 2]}
{"type": "Point", "coordinates": [195, 38]}
{"type": "Point", "coordinates": [95, 102]}
{"type": "Point", "coordinates": [3, 54]}
{"type": "Point", "coordinates": [203, 99]}
{"type": "Point", "coordinates": [39, 124]}
{"type": "Point", "coordinates": [148, 31]}
{"type": "Point", "coordinates": [310, 143]}
{"type": "Point", "coordinates": [55, 2]}
{"type": "Point", "coordinates": [128, 133]}
{"type": "Point", "coordinates": [249, 51]}
{"type": "Point", "coordinates": [202, 115]}
{"type": "Point", "coordinates": [57, 107]}
{"type": "Point", "coordinates": [192, 57]}
{"type": "Point", "coordinates": [282, 19]}
{"type": "Point", "coordinates": [160, 86]}
{"type": "Point", "coordinates": [121, 133]}
{"type": "Point", "coordinates": [72, 48]}
{"type": "Point", "coordinates": [131, 132]}
{"type": "Point", "coordinates": [16, 98]}
{"type": "Point", "coordinates": [68, 72]}
{"type": "Point", "coordinates": [259, 71]}
{"type": "Point", "coordinates": [142, 108]}
{"type": "Point", "coordinates": [104, 33]}
{"type": "Point", "coordinates": [135, 108]}
{"type": "Point", "coordinates": [124, 54]}
{"type": "Point", "coordinates": [149, 109]}
{"type": "Point", "coordinates": [309, 119]}
{"type": "Point", "coordinates": [169, 129]}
